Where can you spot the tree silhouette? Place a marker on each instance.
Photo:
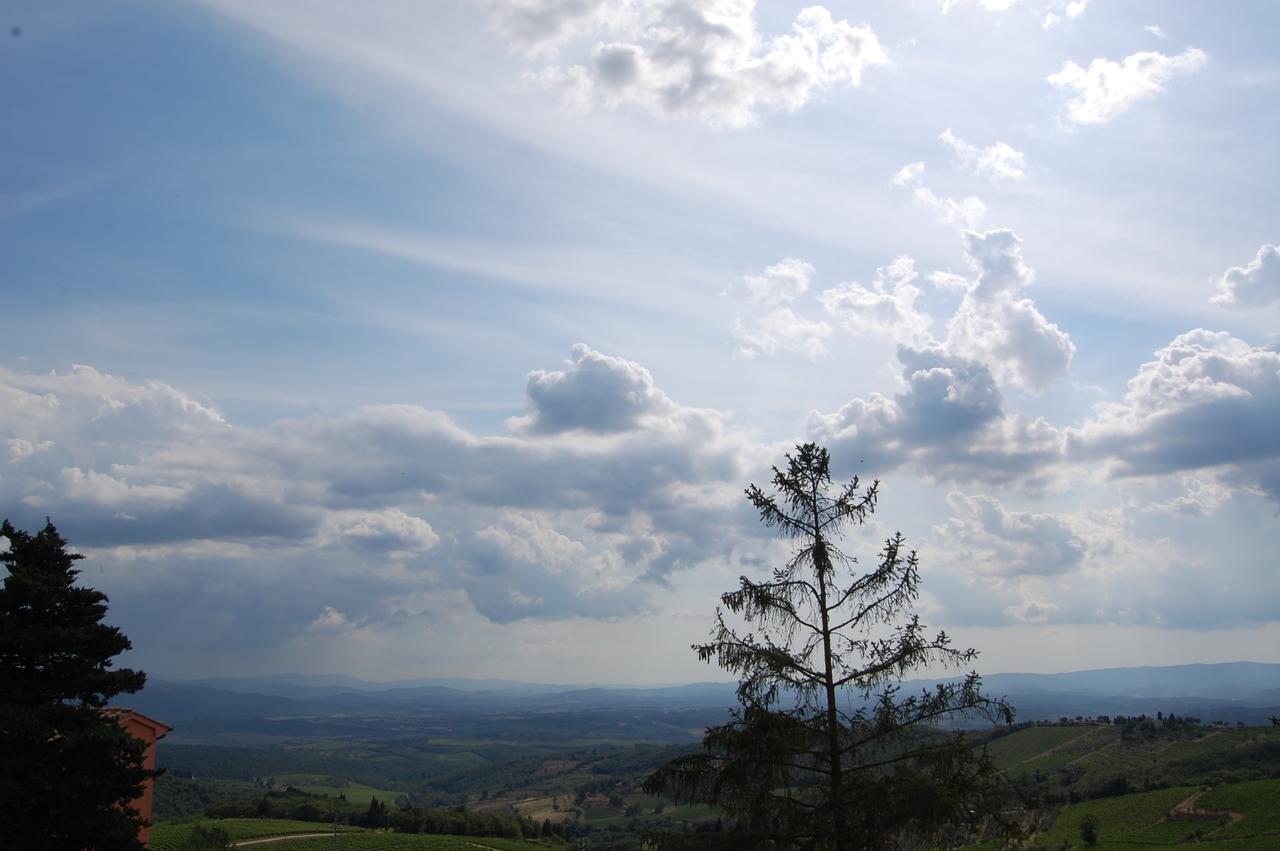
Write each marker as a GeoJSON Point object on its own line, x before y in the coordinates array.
{"type": "Point", "coordinates": [823, 751]}
{"type": "Point", "coordinates": [67, 772]}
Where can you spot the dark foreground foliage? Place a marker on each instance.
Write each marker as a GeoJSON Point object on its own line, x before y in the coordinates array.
{"type": "Point", "coordinates": [67, 772]}
{"type": "Point", "coordinates": [824, 751]}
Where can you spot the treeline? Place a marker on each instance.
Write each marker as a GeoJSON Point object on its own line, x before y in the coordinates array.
{"type": "Point", "coordinates": [459, 821]}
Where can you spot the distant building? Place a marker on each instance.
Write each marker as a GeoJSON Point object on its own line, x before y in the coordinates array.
{"type": "Point", "coordinates": [148, 731]}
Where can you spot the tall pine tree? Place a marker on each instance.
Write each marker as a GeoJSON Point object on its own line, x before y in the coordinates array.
{"type": "Point", "coordinates": [825, 752]}
{"type": "Point", "coordinates": [67, 772]}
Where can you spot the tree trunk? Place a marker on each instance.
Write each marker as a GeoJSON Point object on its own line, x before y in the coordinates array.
{"type": "Point", "coordinates": [823, 564]}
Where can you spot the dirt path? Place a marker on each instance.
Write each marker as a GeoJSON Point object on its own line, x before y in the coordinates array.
{"type": "Point", "coordinates": [245, 843]}
{"type": "Point", "coordinates": [1093, 753]}
{"type": "Point", "coordinates": [1187, 809]}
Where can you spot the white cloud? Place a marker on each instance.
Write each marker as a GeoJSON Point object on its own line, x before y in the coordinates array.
{"type": "Point", "coordinates": [1156, 31]}
{"type": "Point", "coordinates": [1072, 9]}
{"type": "Point", "coordinates": [992, 540]}
{"type": "Point", "coordinates": [998, 161]}
{"type": "Point", "coordinates": [1106, 89]}
{"type": "Point", "coordinates": [386, 530]}
{"type": "Point", "coordinates": [887, 308]}
{"type": "Point", "coordinates": [1254, 285]}
{"type": "Point", "coordinates": [947, 423]}
{"type": "Point", "coordinates": [1209, 401]}
{"type": "Point", "coordinates": [1076, 8]}
{"type": "Point", "coordinates": [105, 490]}
{"type": "Point", "coordinates": [706, 61]}
{"type": "Point", "coordinates": [769, 325]}
{"type": "Point", "coordinates": [524, 567]}
{"type": "Point", "coordinates": [908, 173]}
{"type": "Point", "coordinates": [598, 393]}
{"type": "Point", "coordinates": [1200, 498]}
{"type": "Point", "coordinates": [781, 283]}
{"type": "Point", "coordinates": [966, 213]}
{"type": "Point", "coordinates": [781, 330]}
{"type": "Point", "coordinates": [949, 281]}
{"type": "Point", "coordinates": [20, 448]}
{"type": "Point", "coordinates": [997, 326]}
{"type": "Point", "coordinates": [401, 493]}
{"type": "Point", "coordinates": [542, 26]}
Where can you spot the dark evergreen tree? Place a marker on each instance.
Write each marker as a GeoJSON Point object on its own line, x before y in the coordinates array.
{"type": "Point", "coordinates": [67, 771]}
{"type": "Point", "coordinates": [824, 751]}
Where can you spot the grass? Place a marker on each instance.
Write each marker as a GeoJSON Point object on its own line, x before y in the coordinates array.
{"type": "Point", "coordinates": [169, 836]}
{"type": "Point", "coordinates": [1258, 800]}
{"type": "Point", "coordinates": [1133, 822]}
{"type": "Point", "coordinates": [405, 842]}
{"type": "Point", "coordinates": [1010, 752]}
{"type": "Point", "coordinates": [1124, 822]}
{"type": "Point", "coordinates": [356, 793]}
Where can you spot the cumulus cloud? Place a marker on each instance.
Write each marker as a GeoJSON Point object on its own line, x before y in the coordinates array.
{"type": "Point", "coordinates": [886, 308]}
{"type": "Point", "coordinates": [993, 540]}
{"type": "Point", "coordinates": [1199, 499]}
{"type": "Point", "coordinates": [948, 423]}
{"type": "Point", "coordinates": [523, 567]}
{"type": "Point", "coordinates": [1156, 31]}
{"type": "Point", "coordinates": [1106, 89]}
{"type": "Point", "coordinates": [1068, 9]}
{"type": "Point", "coordinates": [967, 212]}
{"type": "Point", "coordinates": [998, 161]}
{"type": "Point", "coordinates": [20, 448]}
{"type": "Point", "coordinates": [694, 60]}
{"type": "Point", "coordinates": [388, 530]}
{"type": "Point", "coordinates": [778, 330]}
{"type": "Point", "coordinates": [541, 26]}
{"type": "Point", "coordinates": [1256, 284]}
{"type": "Point", "coordinates": [390, 500]}
{"type": "Point", "coordinates": [997, 325]}
{"type": "Point", "coordinates": [908, 174]}
{"type": "Point", "coordinates": [1208, 401]}
{"type": "Point", "coordinates": [781, 283]}
{"type": "Point", "coordinates": [597, 393]}
{"type": "Point", "coordinates": [769, 324]}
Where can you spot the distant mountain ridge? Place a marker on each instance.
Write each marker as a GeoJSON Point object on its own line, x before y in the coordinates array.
{"type": "Point", "coordinates": [1220, 681]}
{"type": "Point", "coordinates": [289, 706]}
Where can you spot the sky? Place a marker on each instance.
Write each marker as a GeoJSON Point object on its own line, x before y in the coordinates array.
{"type": "Point", "coordinates": [404, 339]}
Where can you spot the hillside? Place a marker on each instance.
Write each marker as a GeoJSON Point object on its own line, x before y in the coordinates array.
{"type": "Point", "coordinates": [1081, 761]}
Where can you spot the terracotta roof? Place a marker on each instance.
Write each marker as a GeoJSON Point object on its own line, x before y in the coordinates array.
{"type": "Point", "coordinates": [119, 712]}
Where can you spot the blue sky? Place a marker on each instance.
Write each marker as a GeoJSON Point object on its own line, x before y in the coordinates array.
{"type": "Point", "coordinates": [404, 339]}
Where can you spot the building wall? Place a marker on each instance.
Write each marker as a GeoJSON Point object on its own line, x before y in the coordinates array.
{"type": "Point", "coordinates": [148, 732]}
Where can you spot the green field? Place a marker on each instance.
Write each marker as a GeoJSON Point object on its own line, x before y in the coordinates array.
{"type": "Point", "coordinates": [1035, 747]}
{"type": "Point", "coordinates": [405, 842]}
{"type": "Point", "coordinates": [170, 836]}
{"type": "Point", "coordinates": [356, 793]}
{"type": "Point", "coordinates": [1124, 821]}
{"type": "Point", "coordinates": [1258, 801]}
{"type": "Point", "coordinates": [1235, 817]}
{"type": "Point", "coordinates": [1079, 759]}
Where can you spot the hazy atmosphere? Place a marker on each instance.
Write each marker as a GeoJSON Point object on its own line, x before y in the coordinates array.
{"type": "Point", "coordinates": [441, 339]}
